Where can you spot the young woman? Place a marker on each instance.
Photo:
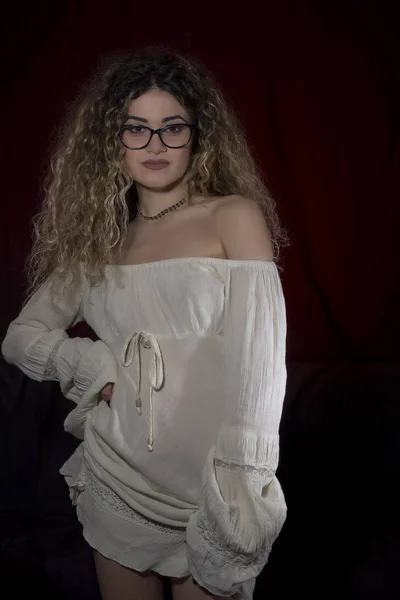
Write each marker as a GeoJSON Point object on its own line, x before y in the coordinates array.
{"type": "Point", "coordinates": [157, 231]}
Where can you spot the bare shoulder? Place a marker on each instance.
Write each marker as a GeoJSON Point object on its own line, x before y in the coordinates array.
{"type": "Point", "coordinates": [243, 229]}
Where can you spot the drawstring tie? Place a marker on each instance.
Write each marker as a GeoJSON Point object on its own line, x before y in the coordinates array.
{"type": "Point", "coordinates": [132, 352]}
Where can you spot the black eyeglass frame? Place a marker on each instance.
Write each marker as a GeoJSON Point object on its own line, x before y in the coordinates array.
{"type": "Point", "coordinates": [158, 132]}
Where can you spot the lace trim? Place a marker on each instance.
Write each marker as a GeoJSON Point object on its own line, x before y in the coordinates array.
{"type": "Point", "coordinates": [50, 371]}
{"type": "Point", "coordinates": [212, 540]}
{"type": "Point", "coordinates": [255, 471]}
{"type": "Point", "coordinates": [112, 502]}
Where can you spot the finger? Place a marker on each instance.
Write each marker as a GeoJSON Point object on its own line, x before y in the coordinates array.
{"type": "Point", "coordinates": [105, 398]}
{"type": "Point", "coordinates": [107, 390]}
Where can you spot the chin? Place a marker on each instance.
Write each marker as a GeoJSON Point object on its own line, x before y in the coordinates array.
{"type": "Point", "coordinates": [158, 183]}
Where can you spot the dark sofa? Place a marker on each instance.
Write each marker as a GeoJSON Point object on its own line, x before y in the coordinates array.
{"type": "Point", "coordinates": [339, 468]}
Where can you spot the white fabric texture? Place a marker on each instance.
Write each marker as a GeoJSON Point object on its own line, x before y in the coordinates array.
{"type": "Point", "coordinates": [38, 344]}
{"type": "Point", "coordinates": [184, 459]}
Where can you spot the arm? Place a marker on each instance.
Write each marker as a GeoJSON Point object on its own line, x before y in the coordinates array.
{"type": "Point", "coordinates": [37, 343]}
{"type": "Point", "coordinates": [242, 507]}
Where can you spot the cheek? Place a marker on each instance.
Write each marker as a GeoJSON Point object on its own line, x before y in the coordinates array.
{"type": "Point", "coordinates": [183, 160]}
{"type": "Point", "coordinates": [132, 161]}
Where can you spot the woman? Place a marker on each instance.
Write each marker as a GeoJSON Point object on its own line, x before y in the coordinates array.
{"type": "Point", "coordinates": [157, 231]}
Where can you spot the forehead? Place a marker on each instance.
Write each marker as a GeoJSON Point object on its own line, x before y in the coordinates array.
{"type": "Point", "coordinates": [156, 104]}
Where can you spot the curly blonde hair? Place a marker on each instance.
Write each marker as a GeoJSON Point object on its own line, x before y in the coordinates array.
{"type": "Point", "coordinates": [90, 197]}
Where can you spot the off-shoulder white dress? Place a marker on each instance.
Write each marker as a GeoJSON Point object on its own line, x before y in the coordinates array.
{"type": "Point", "coordinates": [177, 475]}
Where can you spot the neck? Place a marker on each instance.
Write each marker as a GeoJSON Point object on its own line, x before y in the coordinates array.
{"type": "Point", "coordinates": [153, 201]}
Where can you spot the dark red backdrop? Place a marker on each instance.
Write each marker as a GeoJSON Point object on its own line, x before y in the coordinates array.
{"type": "Point", "coordinates": [315, 84]}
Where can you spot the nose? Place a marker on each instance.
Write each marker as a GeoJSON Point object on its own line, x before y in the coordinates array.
{"type": "Point", "coordinates": [156, 146]}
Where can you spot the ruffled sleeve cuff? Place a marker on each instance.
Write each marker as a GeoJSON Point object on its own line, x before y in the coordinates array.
{"type": "Point", "coordinates": [228, 542]}
{"type": "Point", "coordinates": [97, 367]}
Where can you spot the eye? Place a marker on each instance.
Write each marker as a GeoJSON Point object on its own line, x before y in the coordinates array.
{"type": "Point", "coordinates": [175, 129]}
{"type": "Point", "coordinates": [136, 129]}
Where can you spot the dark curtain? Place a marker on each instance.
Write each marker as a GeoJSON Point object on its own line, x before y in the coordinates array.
{"type": "Point", "coordinates": [316, 86]}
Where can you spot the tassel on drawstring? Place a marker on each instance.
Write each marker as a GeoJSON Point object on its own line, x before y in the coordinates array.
{"type": "Point", "coordinates": [150, 441]}
{"type": "Point", "coordinates": [131, 353]}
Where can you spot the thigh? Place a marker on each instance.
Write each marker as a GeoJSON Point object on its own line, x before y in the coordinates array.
{"type": "Point", "coordinates": [185, 589]}
{"type": "Point", "coordinates": [119, 583]}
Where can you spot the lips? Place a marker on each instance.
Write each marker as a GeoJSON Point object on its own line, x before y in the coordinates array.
{"type": "Point", "coordinates": [155, 164]}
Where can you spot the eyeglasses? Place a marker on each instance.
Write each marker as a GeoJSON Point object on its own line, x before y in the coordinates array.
{"type": "Point", "coordinates": [137, 137]}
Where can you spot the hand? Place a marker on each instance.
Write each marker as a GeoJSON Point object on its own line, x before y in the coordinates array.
{"type": "Point", "coordinates": [106, 393]}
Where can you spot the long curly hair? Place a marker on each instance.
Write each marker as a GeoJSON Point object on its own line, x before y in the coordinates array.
{"type": "Point", "coordinates": [90, 195]}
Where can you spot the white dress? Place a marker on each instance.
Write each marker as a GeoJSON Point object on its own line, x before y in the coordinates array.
{"type": "Point", "coordinates": [177, 475]}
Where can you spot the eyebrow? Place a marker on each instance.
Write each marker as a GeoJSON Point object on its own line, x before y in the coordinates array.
{"type": "Point", "coordinates": [165, 120]}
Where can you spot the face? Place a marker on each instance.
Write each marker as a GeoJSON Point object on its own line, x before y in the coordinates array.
{"type": "Point", "coordinates": [157, 166]}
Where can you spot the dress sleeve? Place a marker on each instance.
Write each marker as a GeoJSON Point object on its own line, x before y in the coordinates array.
{"type": "Point", "coordinates": [242, 507]}
{"type": "Point", "coordinates": [37, 343]}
